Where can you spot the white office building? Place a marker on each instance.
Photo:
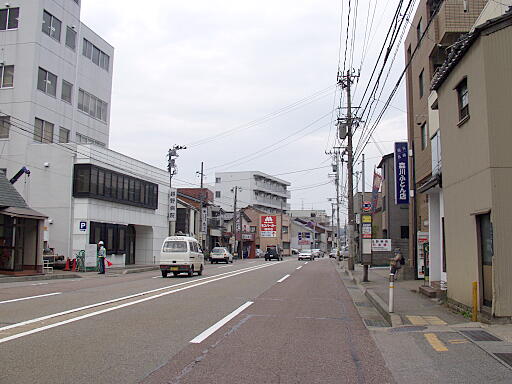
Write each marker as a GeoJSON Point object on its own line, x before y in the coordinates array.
{"type": "Point", "coordinates": [264, 192]}
{"type": "Point", "coordinates": [55, 97]}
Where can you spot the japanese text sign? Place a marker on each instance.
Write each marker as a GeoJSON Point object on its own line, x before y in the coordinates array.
{"type": "Point", "coordinates": [401, 173]}
{"type": "Point", "coordinates": [268, 226]}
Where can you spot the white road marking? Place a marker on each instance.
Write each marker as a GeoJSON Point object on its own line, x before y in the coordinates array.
{"type": "Point", "coordinates": [156, 277]}
{"type": "Point", "coordinates": [299, 267]}
{"type": "Point", "coordinates": [40, 329]}
{"type": "Point", "coordinates": [202, 336]}
{"type": "Point", "coordinates": [225, 266]}
{"type": "Point", "coordinates": [283, 278]}
{"type": "Point", "coordinates": [40, 284]}
{"type": "Point", "coordinates": [29, 297]}
{"type": "Point", "coordinates": [306, 262]}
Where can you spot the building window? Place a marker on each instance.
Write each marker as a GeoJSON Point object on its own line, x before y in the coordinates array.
{"type": "Point", "coordinates": [424, 136]}
{"type": "Point", "coordinates": [51, 26]}
{"type": "Point", "coordinates": [217, 194]}
{"type": "Point", "coordinates": [113, 235]}
{"type": "Point", "coordinates": [404, 232]}
{"type": "Point", "coordinates": [47, 82]}
{"type": "Point", "coordinates": [463, 96]}
{"type": "Point", "coordinates": [108, 185]}
{"type": "Point", "coordinates": [285, 229]}
{"type": "Point", "coordinates": [5, 125]}
{"type": "Point", "coordinates": [9, 18]}
{"type": "Point", "coordinates": [7, 76]}
{"type": "Point", "coordinates": [43, 131]}
{"type": "Point", "coordinates": [82, 139]}
{"type": "Point", "coordinates": [92, 105]}
{"type": "Point", "coordinates": [63, 135]}
{"type": "Point", "coordinates": [70, 38]}
{"type": "Point", "coordinates": [96, 55]}
{"type": "Point", "coordinates": [217, 179]}
{"type": "Point", "coordinates": [419, 31]}
{"type": "Point", "coordinates": [420, 84]}
{"type": "Point", "coordinates": [67, 91]}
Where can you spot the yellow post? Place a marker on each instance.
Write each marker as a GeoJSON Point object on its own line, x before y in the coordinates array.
{"type": "Point", "coordinates": [474, 316]}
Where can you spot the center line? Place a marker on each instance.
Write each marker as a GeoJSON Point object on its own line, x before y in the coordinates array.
{"type": "Point", "coordinates": [202, 336]}
{"type": "Point", "coordinates": [283, 278]}
{"type": "Point", "coordinates": [299, 267]}
{"type": "Point", "coordinates": [29, 297]}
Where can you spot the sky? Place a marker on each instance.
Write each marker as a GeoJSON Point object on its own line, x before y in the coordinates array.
{"type": "Point", "coordinates": [244, 85]}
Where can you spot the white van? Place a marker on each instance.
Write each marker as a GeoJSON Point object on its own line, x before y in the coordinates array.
{"type": "Point", "coordinates": [181, 254]}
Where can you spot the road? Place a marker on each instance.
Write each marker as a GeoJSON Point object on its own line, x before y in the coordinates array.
{"type": "Point", "coordinates": [247, 322]}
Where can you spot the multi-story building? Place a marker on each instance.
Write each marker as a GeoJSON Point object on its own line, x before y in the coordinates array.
{"type": "Point", "coordinates": [436, 25]}
{"type": "Point", "coordinates": [55, 96]}
{"type": "Point", "coordinates": [264, 192]}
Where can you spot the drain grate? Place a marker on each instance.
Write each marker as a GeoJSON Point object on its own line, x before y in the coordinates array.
{"type": "Point", "coordinates": [375, 323]}
{"type": "Point", "coordinates": [410, 328]}
{"type": "Point", "coordinates": [505, 357]}
{"type": "Point", "coordinates": [478, 335]}
{"type": "Point", "coordinates": [362, 304]}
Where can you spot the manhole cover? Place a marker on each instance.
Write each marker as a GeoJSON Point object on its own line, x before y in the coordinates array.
{"type": "Point", "coordinates": [412, 328]}
{"type": "Point", "coordinates": [375, 323]}
{"type": "Point", "coordinates": [362, 304]}
{"type": "Point", "coordinates": [478, 335]}
{"type": "Point", "coordinates": [505, 357]}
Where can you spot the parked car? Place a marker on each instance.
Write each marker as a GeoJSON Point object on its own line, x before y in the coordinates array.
{"type": "Point", "coordinates": [295, 251]}
{"type": "Point", "coordinates": [181, 254]}
{"type": "Point", "coordinates": [220, 254]}
{"type": "Point", "coordinates": [317, 252]}
{"type": "Point", "coordinates": [259, 253]}
{"type": "Point", "coordinates": [306, 254]}
{"type": "Point", "coordinates": [273, 253]}
{"type": "Point", "coordinates": [334, 253]}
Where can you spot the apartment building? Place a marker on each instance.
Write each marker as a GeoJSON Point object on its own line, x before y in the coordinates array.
{"type": "Point", "coordinates": [437, 24]}
{"type": "Point", "coordinates": [264, 192]}
{"type": "Point", "coordinates": [55, 97]}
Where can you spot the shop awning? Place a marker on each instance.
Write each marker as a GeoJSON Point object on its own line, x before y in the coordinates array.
{"type": "Point", "coordinates": [26, 213]}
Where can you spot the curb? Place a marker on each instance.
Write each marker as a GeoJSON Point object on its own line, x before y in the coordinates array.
{"type": "Point", "coordinates": [17, 279]}
{"type": "Point", "coordinates": [133, 270]}
{"type": "Point", "coordinates": [392, 318]}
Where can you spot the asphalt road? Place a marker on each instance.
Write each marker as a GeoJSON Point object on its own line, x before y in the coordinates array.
{"type": "Point", "coordinates": [247, 322]}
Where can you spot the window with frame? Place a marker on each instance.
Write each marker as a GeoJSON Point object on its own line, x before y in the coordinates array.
{"type": "Point", "coordinates": [70, 38]}
{"type": "Point", "coordinates": [51, 26]}
{"type": "Point", "coordinates": [420, 84]}
{"type": "Point", "coordinates": [285, 229]}
{"type": "Point", "coordinates": [463, 98]}
{"type": "Point", "coordinates": [96, 55]}
{"type": "Point", "coordinates": [92, 105]}
{"type": "Point", "coordinates": [47, 82]}
{"type": "Point", "coordinates": [5, 125]}
{"type": "Point", "coordinates": [217, 194]}
{"type": "Point", "coordinates": [9, 18]}
{"type": "Point", "coordinates": [419, 31]}
{"type": "Point", "coordinates": [63, 135]}
{"type": "Point", "coordinates": [217, 179]}
{"type": "Point", "coordinates": [424, 136]}
{"type": "Point", "coordinates": [113, 235]}
{"type": "Point", "coordinates": [7, 76]}
{"type": "Point", "coordinates": [43, 131]}
{"type": "Point", "coordinates": [404, 232]}
{"type": "Point", "coordinates": [67, 91]}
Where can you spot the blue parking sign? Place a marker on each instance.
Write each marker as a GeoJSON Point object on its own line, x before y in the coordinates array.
{"type": "Point", "coordinates": [83, 225]}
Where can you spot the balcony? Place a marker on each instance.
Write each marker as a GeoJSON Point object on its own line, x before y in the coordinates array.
{"type": "Point", "coordinates": [272, 188]}
{"type": "Point", "coordinates": [453, 19]}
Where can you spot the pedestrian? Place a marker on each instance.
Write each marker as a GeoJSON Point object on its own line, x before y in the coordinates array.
{"type": "Point", "coordinates": [101, 257]}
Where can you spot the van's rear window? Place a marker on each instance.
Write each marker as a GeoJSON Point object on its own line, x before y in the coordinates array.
{"type": "Point", "coordinates": [175, 246]}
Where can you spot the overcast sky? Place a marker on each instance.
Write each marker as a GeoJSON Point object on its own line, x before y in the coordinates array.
{"type": "Point", "coordinates": [260, 75]}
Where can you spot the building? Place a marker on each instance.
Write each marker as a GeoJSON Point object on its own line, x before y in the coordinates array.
{"type": "Point", "coordinates": [55, 96]}
{"type": "Point", "coordinates": [394, 223]}
{"type": "Point", "coordinates": [264, 192]}
{"type": "Point", "coordinates": [436, 25]}
{"type": "Point", "coordinates": [474, 89]}
{"type": "Point", "coordinates": [280, 237]}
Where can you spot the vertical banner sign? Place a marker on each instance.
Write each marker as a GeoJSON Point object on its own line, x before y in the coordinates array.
{"type": "Point", "coordinates": [377, 180]}
{"type": "Point", "coordinates": [171, 213]}
{"type": "Point", "coordinates": [401, 173]}
{"type": "Point", "coordinates": [268, 226]}
{"type": "Point", "coordinates": [204, 220]}
{"type": "Point", "coordinates": [420, 261]}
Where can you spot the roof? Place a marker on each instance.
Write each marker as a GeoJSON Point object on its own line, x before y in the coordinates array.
{"type": "Point", "coordinates": [9, 196]}
{"type": "Point", "coordinates": [384, 158]}
{"type": "Point", "coordinates": [463, 45]}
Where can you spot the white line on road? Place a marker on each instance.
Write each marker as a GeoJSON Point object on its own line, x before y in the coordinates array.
{"type": "Point", "coordinates": [299, 267]}
{"type": "Point", "coordinates": [283, 278]}
{"type": "Point", "coordinates": [156, 277]}
{"type": "Point", "coordinates": [306, 262]}
{"type": "Point", "coordinates": [202, 336]}
{"type": "Point", "coordinates": [201, 282]}
{"type": "Point", "coordinates": [225, 266]}
{"type": "Point", "coordinates": [29, 297]}
{"type": "Point", "coordinates": [40, 284]}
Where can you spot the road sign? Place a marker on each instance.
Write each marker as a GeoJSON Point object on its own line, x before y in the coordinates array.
{"type": "Point", "coordinates": [83, 226]}
{"type": "Point", "coordinates": [381, 245]}
{"type": "Point", "coordinates": [367, 206]}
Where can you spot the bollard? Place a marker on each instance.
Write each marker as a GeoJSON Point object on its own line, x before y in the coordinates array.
{"type": "Point", "coordinates": [391, 291]}
{"type": "Point", "coordinates": [474, 315]}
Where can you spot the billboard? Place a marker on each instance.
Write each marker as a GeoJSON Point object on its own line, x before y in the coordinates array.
{"type": "Point", "coordinates": [268, 226]}
{"type": "Point", "coordinates": [377, 180]}
{"type": "Point", "coordinates": [401, 173]}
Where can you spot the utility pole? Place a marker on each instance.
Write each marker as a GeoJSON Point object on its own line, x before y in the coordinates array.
{"type": "Point", "coordinates": [346, 81]}
{"type": "Point", "coordinates": [172, 154]}
{"type": "Point", "coordinates": [365, 265]}
{"type": "Point", "coordinates": [201, 218]}
{"type": "Point", "coordinates": [336, 167]}
{"type": "Point", "coordinates": [235, 190]}
{"type": "Point", "coordinates": [282, 225]}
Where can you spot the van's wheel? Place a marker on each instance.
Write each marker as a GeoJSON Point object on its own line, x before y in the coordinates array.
{"type": "Point", "coordinates": [211, 261]}
{"type": "Point", "coordinates": [191, 271]}
{"type": "Point", "coordinates": [175, 274]}
{"type": "Point", "coordinates": [164, 274]}
{"type": "Point", "coordinates": [200, 272]}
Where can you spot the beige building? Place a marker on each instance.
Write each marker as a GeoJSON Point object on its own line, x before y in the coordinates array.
{"type": "Point", "coordinates": [436, 25]}
{"type": "Point", "coordinates": [282, 235]}
{"type": "Point", "coordinates": [474, 89]}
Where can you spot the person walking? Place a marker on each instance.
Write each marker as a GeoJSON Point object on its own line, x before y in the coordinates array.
{"type": "Point", "coordinates": [102, 252]}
